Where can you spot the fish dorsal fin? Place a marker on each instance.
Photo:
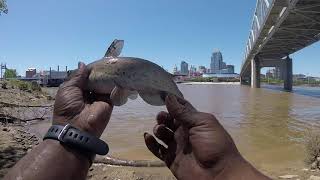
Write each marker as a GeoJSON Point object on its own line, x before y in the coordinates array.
{"type": "Point", "coordinates": [115, 48]}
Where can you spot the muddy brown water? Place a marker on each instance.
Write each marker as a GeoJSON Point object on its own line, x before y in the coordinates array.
{"type": "Point", "coordinates": [268, 126]}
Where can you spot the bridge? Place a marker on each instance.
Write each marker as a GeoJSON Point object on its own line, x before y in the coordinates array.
{"type": "Point", "coordinates": [279, 28]}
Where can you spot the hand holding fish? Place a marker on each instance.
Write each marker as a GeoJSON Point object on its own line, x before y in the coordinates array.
{"type": "Point", "coordinates": [87, 111]}
{"type": "Point", "coordinates": [198, 147]}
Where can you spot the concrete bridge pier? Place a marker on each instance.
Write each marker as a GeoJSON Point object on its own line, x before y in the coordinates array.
{"type": "Point", "coordinates": [287, 73]}
{"type": "Point", "coordinates": [255, 73]}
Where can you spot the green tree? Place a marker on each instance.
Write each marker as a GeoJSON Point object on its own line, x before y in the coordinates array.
{"type": "Point", "coordinates": [10, 73]}
{"type": "Point", "coordinates": [3, 7]}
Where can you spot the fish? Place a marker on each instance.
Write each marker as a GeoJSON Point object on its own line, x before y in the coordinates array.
{"type": "Point", "coordinates": [128, 77]}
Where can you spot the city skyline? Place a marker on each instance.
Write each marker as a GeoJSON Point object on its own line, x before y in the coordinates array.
{"type": "Point", "coordinates": [66, 35]}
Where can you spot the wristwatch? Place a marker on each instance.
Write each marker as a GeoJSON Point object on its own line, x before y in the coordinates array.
{"type": "Point", "coordinates": [77, 139]}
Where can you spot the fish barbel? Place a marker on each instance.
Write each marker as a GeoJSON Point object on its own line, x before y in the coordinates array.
{"type": "Point", "coordinates": [125, 77]}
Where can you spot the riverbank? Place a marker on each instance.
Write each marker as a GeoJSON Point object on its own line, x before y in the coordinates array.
{"type": "Point", "coordinates": [210, 83]}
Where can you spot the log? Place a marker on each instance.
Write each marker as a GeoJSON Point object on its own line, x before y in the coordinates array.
{"type": "Point", "coordinates": [133, 163]}
{"type": "Point", "coordinates": [19, 105]}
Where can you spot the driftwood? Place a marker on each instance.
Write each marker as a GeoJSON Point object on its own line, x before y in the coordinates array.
{"type": "Point", "coordinates": [8, 118]}
{"type": "Point", "coordinates": [134, 163]}
{"type": "Point", "coordinates": [33, 119]}
{"type": "Point", "coordinates": [19, 105]}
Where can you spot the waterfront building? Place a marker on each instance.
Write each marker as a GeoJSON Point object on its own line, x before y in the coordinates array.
{"type": "Point", "coordinates": [224, 65]}
{"type": "Point", "coordinates": [230, 69]}
{"type": "Point", "coordinates": [299, 77]}
{"type": "Point", "coordinates": [221, 75]}
{"type": "Point", "coordinates": [184, 68]}
{"type": "Point", "coordinates": [30, 72]}
{"type": "Point", "coordinates": [274, 73]}
{"type": "Point", "coordinates": [202, 69]}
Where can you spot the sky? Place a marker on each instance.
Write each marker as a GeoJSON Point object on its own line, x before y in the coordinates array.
{"type": "Point", "coordinates": [43, 34]}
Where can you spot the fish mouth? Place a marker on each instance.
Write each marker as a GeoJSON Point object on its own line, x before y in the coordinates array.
{"type": "Point", "coordinates": [163, 95]}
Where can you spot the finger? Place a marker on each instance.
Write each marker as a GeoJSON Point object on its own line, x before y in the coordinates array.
{"type": "Point", "coordinates": [163, 133]}
{"type": "Point", "coordinates": [99, 116]}
{"type": "Point", "coordinates": [166, 119]}
{"type": "Point", "coordinates": [157, 149]}
{"type": "Point", "coordinates": [92, 97]}
{"type": "Point", "coordinates": [79, 77]}
{"type": "Point", "coordinates": [180, 109]}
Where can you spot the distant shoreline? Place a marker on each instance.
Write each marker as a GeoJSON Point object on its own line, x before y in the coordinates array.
{"type": "Point", "coordinates": [210, 83]}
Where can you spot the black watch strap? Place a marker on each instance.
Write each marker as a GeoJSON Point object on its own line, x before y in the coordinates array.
{"type": "Point", "coordinates": [73, 137]}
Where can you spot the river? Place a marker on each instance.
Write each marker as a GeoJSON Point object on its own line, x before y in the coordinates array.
{"type": "Point", "coordinates": [267, 125]}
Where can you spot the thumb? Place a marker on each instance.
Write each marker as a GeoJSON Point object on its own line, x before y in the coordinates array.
{"type": "Point", "coordinates": [180, 109]}
{"type": "Point", "coordinates": [79, 77]}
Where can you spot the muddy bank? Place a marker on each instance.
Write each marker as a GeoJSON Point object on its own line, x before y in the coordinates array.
{"type": "Point", "coordinates": [15, 142]}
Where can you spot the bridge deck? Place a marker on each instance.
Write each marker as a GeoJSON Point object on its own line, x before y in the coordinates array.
{"type": "Point", "coordinates": [287, 28]}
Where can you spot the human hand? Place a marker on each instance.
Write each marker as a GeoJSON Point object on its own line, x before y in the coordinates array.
{"type": "Point", "coordinates": [197, 144]}
{"type": "Point", "coordinates": [86, 111]}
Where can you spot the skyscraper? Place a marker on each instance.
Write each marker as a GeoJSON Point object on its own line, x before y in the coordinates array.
{"type": "Point", "coordinates": [184, 68]}
{"type": "Point", "coordinates": [216, 62]}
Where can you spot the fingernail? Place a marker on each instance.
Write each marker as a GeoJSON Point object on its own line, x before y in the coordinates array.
{"type": "Point", "coordinates": [80, 65]}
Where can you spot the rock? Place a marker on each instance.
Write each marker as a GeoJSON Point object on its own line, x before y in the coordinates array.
{"type": "Point", "coordinates": [305, 169]}
{"type": "Point", "coordinates": [49, 98]}
{"type": "Point", "coordinates": [314, 165]}
{"type": "Point", "coordinates": [312, 177]}
{"type": "Point", "coordinates": [318, 159]}
{"type": "Point", "coordinates": [288, 176]}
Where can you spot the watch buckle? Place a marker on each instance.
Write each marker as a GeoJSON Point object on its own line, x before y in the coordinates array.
{"type": "Point", "coordinates": [64, 132]}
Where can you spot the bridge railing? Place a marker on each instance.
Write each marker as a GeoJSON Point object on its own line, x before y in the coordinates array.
{"type": "Point", "coordinates": [260, 15]}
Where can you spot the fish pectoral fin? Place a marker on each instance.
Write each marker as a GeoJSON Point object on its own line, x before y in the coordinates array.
{"type": "Point", "coordinates": [115, 48]}
{"type": "Point", "coordinates": [155, 98]}
{"type": "Point", "coordinates": [119, 96]}
{"type": "Point", "coordinates": [133, 95]}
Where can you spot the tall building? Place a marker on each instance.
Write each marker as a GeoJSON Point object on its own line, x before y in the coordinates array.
{"type": "Point", "coordinates": [216, 62]}
{"type": "Point", "coordinates": [175, 69]}
{"type": "Point", "coordinates": [184, 68]}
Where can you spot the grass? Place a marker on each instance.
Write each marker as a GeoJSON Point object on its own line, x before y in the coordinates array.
{"type": "Point", "coordinates": [312, 145]}
{"type": "Point", "coordinates": [22, 85]}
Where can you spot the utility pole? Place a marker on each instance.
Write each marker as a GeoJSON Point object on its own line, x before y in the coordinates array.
{"type": "Point", "coordinates": [3, 66]}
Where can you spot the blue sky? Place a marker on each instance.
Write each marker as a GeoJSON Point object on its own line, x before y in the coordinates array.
{"type": "Point", "coordinates": [45, 34]}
